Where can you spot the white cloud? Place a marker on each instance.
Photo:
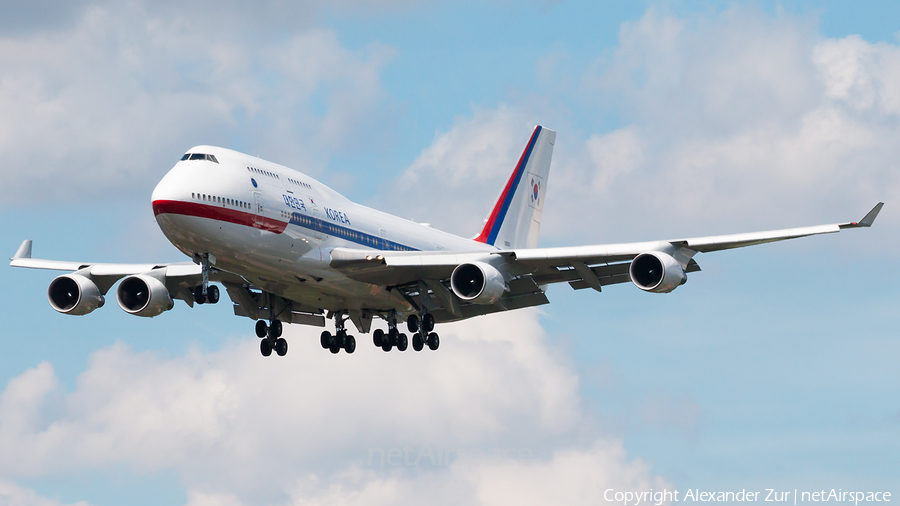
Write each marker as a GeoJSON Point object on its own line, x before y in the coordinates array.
{"type": "Point", "coordinates": [740, 121]}
{"type": "Point", "coordinates": [13, 495]}
{"type": "Point", "coordinates": [108, 102]}
{"type": "Point", "coordinates": [732, 123]}
{"type": "Point", "coordinates": [493, 409]}
{"type": "Point", "coordinates": [464, 170]}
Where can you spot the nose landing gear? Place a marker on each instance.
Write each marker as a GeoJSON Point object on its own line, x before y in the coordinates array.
{"type": "Point", "coordinates": [205, 293]}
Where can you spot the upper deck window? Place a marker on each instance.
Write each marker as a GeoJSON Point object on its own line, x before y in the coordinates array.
{"type": "Point", "coordinates": [199, 156]}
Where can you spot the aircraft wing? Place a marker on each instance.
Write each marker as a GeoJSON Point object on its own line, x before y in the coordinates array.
{"type": "Point", "coordinates": [423, 277]}
{"type": "Point", "coordinates": [180, 277]}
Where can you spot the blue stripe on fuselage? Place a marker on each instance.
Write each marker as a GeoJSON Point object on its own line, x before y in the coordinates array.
{"type": "Point", "coordinates": [348, 234]}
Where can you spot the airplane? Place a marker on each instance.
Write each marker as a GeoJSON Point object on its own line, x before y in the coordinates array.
{"type": "Point", "coordinates": [288, 249]}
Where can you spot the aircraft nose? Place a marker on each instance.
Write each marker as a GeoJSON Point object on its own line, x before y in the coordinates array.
{"type": "Point", "coordinates": [168, 189]}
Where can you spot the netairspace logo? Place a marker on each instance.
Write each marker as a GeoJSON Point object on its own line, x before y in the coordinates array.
{"type": "Point", "coordinates": [658, 498]}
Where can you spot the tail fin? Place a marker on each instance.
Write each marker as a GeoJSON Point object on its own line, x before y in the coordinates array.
{"type": "Point", "coordinates": [515, 219]}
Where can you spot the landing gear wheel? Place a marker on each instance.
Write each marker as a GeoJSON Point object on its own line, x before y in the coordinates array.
{"type": "Point", "coordinates": [261, 329]}
{"type": "Point", "coordinates": [433, 341]}
{"type": "Point", "coordinates": [378, 337]}
{"type": "Point", "coordinates": [212, 294]}
{"type": "Point", "coordinates": [276, 327]}
{"type": "Point", "coordinates": [199, 298]}
{"type": "Point", "coordinates": [412, 323]}
{"type": "Point", "coordinates": [280, 347]}
{"type": "Point", "coordinates": [265, 347]}
{"type": "Point", "coordinates": [418, 342]}
{"type": "Point", "coordinates": [428, 322]}
{"type": "Point", "coordinates": [325, 340]}
{"type": "Point", "coordinates": [402, 342]}
{"type": "Point", "coordinates": [335, 348]}
{"type": "Point", "coordinates": [350, 344]}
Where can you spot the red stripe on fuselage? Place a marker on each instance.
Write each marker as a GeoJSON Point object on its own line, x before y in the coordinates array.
{"type": "Point", "coordinates": [218, 212]}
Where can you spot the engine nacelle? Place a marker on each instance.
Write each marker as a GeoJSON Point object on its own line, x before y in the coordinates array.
{"type": "Point", "coordinates": [655, 271]}
{"type": "Point", "coordinates": [477, 282]}
{"type": "Point", "coordinates": [74, 294]}
{"type": "Point", "coordinates": [143, 295]}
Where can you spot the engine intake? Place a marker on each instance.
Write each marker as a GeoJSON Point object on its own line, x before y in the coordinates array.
{"type": "Point", "coordinates": [143, 295]}
{"type": "Point", "coordinates": [74, 294]}
{"type": "Point", "coordinates": [477, 282]}
{"type": "Point", "coordinates": [656, 272]}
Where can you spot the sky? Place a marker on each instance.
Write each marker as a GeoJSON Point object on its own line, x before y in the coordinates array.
{"type": "Point", "coordinates": [775, 367]}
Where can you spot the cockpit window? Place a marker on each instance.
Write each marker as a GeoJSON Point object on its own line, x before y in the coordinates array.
{"type": "Point", "coordinates": [199, 156]}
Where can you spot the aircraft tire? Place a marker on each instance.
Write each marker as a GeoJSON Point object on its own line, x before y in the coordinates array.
{"type": "Point", "coordinates": [412, 323]}
{"type": "Point", "coordinates": [325, 339]}
{"type": "Point", "coordinates": [433, 341]}
{"type": "Point", "coordinates": [418, 343]}
{"type": "Point", "coordinates": [378, 337]}
{"type": "Point", "coordinates": [265, 347]}
{"type": "Point", "coordinates": [212, 294]}
{"type": "Point", "coordinates": [261, 328]}
{"type": "Point", "coordinates": [402, 342]}
{"type": "Point", "coordinates": [350, 344]}
{"type": "Point", "coordinates": [281, 346]}
{"type": "Point", "coordinates": [277, 328]}
{"type": "Point", "coordinates": [198, 295]}
{"type": "Point", "coordinates": [428, 322]}
{"type": "Point", "coordinates": [335, 349]}
{"type": "Point", "coordinates": [386, 345]}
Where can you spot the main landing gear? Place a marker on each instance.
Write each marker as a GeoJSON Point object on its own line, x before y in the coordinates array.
{"type": "Point", "coordinates": [271, 339]}
{"type": "Point", "coordinates": [421, 328]}
{"type": "Point", "coordinates": [340, 340]}
{"type": "Point", "coordinates": [423, 335]}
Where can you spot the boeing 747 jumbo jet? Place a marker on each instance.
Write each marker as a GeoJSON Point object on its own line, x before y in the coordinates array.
{"type": "Point", "coordinates": [288, 249]}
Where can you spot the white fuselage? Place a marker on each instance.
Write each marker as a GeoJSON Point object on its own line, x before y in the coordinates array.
{"type": "Point", "coordinates": [276, 228]}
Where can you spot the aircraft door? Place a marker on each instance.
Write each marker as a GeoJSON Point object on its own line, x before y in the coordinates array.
{"type": "Point", "coordinates": [317, 218]}
{"type": "Point", "coordinates": [257, 208]}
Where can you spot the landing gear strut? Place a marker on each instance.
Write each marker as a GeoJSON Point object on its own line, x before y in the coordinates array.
{"type": "Point", "coordinates": [206, 293]}
{"type": "Point", "coordinates": [393, 337]}
{"type": "Point", "coordinates": [271, 339]}
{"type": "Point", "coordinates": [340, 339]}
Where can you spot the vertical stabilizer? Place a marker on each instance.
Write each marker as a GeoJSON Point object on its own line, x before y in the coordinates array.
{"type": "Point", "coordinates": [515, 220]}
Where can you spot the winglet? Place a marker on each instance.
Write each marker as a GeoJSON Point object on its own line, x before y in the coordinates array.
{"type": "Point", "coordinates": [24, 250]}
{"type": "Point", "coordinates": [867, 220]}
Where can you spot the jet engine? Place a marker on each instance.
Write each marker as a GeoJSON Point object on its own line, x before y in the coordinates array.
{"type": "Point", "coordinates": [655, 271]}
{"type": "Point", "coordinates": [74, 294]}
{"type": "Point", "coordinates": [143, 295]}
{"type": "Point", "coordinates": [477, 282]}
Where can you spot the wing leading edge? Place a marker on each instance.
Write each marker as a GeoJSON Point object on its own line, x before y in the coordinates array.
{"type": "Point", "coordinates": [423, 277]}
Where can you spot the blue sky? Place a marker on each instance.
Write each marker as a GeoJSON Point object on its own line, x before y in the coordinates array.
{"type": "Point", "coordinates": [773, 367]}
